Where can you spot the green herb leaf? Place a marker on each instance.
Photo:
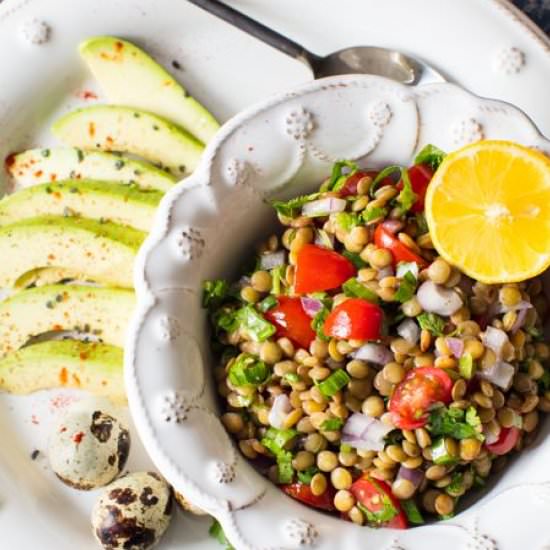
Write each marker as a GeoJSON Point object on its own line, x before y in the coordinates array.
{"type": "Point", "coordinates": [421, 223]}
{"type": "Point", "coordinates": [214, 293]}
{"type": "Point", "coordinates": [276, 440]}
{"type": "Point", "coordinates": [345, 448]}
{"type": "Point", "coordinates": [292, 377]}
{"type": "Point", "coordinates": [383, 174]}
{"type": "Point", "coordinates": [338, 177]}
{"type": "Point", "coordinates": [412, 512]}
{"type": "Point", "coordinates": [347, 220]}
{"type": "Point", "coordinates": [307, 475]}
{"type": "Point", "coordinates": [355, 289]}
{"type": "Point", "coordinates": [280, 438]}
{"type": "Point", "coordinates": [374, 213]}
{"type": "Point", "coordinates": [334, 383]}
{"type": "Point", "coordinates": [431, 155]}
{"type": "Point", "coordinates": [407, 197]}
{"type": "Point", "coordinates": [332, 425]}
{"type": "Point", "coordinates": [285, 471]}
{"type": "Point", "coordinates": [320, 317]}
{"type": "Point", "coordinates": [226, 319]}
{"type": "Point", "coordinates": [257, 328]}
{"type": "Point", "coordinates": [267, 303]}
{"type": "Point", "coordinates": [248, 370]}
{"type": "Point", "coordinates": [407, 288]}
{"type": "Point", "coordinates": [293, 207]}
{"type": "Point", "coordinates": [455, 423]}
{"type": "Point", "coordinates": [455, 488]}
{"type": "Point", "coordinates": [216, 532]}
{"type": "Point", "coordinates": [466, 366]}
{"type": "Point", "coordinates": [432, 322]}
{"type": "Point", "coordinates": [355, 259]}
{"type": "Point", "coordinates": [386, 513]}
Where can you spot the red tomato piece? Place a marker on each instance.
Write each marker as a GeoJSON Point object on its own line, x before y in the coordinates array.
{"type": "Point", "coordinates": [507, 440]}
{"type": "Point", "coordinates": [318, 268]}
{"type": "Point", "coordinates": [302, 492]}
{"type": "Point", "coordinates": [421, 388]}
{"type": "Point", "coordinates": [291, 321]}
{"type": "Point", "coordinates": [376, 496]}
{"type": "Point", "coordinates": [355, 318]}
{"type": "Point", "coordinates": [420, 176]}
{"type": "Point", "coordinates": [384, 239]}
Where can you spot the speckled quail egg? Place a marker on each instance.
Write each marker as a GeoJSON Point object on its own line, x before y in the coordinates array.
{"type": "Point", "coordinates": [133, 512]}
{"type": "Point", "coordinates": [188, 506]}
{"type": "Point", "coordinates": [88, 448]}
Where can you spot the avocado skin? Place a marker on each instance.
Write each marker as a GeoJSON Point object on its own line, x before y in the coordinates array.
{"type": "Point", "coordinates": [89, 366]}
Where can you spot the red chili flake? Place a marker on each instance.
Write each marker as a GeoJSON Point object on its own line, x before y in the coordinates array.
{"type": "Point", "coordinates": [57, 327]}
{"type": "Point", "coordinates": [119, 46]}
{"type": "Point", "coordinates": [53, 177]}
{"type": "Point", "coordinates": [78, 437]}
{"type": "Point", "coordinates": [86, 94]}
{"type": "Point", "coordinates": [38, 173]}
{"type": "Point", "coordinates": [63, 376]}
{"type": "Point", "coordinates": [34, 420]}
{"type": "Point", "coordinates": [91, 129]}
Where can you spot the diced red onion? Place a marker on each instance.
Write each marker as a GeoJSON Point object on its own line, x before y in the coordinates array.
{"type": "Point", "coordinates": [500, 374]}
{"type": "Point", "coordinates": [495, 339]}
{"type": "Point", "coordinates": [279, 411]}
{"type": "Point", "coordinates": [384, 272]}
{"type": "Point", "coordinates": [520, 306]}
{"type": "Point", "coordinates": [520, 321]}
{"type": "Point", "coordinates": [272, 260]}
{"type": "Point", "coordinates": [324, 207]}
{"type": "Point", "coordinates": [322, 238]}
{"type": "Point", "coordinates": [404, 267]}
{"type": "Point", "coordinates": [409, 330]}
{"type": "Point", "coordinates": [311, 305]}
{"type": "Point", "coordinates": [438, 299]}
{"type": "Point", "coordinates": [416, 476]}
{"type": "Point", "coordinates": [456, 346]}
{"type": "Point", "coordinates": [392, 226]}
{"type": "Point", "coordinates": [375, 353]}
{"type": "Point", "coordinates": [365, 432]}
{"type": "Point", "coordinates": [490, 437]}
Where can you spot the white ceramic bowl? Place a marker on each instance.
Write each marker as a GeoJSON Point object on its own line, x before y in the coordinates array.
{"type": "Point", "coordinates": [207, 225]}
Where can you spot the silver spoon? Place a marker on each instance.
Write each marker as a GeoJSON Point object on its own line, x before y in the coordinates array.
{"type": "Point", "coordinates": [361, 59]}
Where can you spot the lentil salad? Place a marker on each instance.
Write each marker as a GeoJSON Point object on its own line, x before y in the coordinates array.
{"type": "Point", "coordinates": [360, 371]}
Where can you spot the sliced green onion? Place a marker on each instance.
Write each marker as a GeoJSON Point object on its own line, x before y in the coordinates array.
{"type": "Point", "coordinates": [355, 289]}
{"type": "Point", "coordinates": [267, 303]}
{"type": "Point", "coordinates": [254, 324]}
{"type": "Point", "coordinates": [248, 370]}
{"type": "Point", "coordinates": [440, 454]}
{"type": "Point", "coordinates": [412, 512]}
{"type": "Point", "coordinates": [334, 383]}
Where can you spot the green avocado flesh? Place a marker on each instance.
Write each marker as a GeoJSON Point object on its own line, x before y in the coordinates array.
{"type": "Point", "coordinates": [104, 312]}
{"type": "Point", "coordinates": [127, 130]}
{"type": "Point", "coordinates": [129, 76]}
{"type": "Point", "coordinates": [90, 366]}
{"type": "Point", "coordinates": [62, 163]}
{"type": "Point", "coordinates": [119, 203]}
{"type": "Point", "coordinates": [103, 252]}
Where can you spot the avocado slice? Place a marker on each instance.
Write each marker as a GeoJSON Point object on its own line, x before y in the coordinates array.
{"type": "Point", "coordinates": [127, 130]}
{"type": "Point", "coordinates": [47, 276]}
{"type": "Point", "coordinates": [129, 76]}
{"type": "Point", "coordinates": [104, 252]}
{"type": "Point", "coordinates": [62, 163]}
{"type": "Point", "coordinates": [104, 312]}
{"type": "Point", "coordinates": [116, 202]}
{"type": "Point", "coordinates": [90, 366]}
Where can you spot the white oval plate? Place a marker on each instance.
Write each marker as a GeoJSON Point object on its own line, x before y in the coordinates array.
{"type": "Point", "coordinates": [472, 41]}
{"type": "Point", "coordinates": [280, 148]}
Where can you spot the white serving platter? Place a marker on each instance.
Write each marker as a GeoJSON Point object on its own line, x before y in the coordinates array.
{"type": "Point", "coordinates": [483, 45]}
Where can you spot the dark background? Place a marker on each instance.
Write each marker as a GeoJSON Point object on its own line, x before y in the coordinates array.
{"type": "Point", "coordinates": [538, 10]}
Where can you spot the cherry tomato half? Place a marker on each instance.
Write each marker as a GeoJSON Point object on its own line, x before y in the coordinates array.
{"type": "Point", "coordinates": [318, 268]}
{"type": "Point", "coordinates": [421, 388]}
{"type": "Point", "coordinates": [384, 239]}
{"type": "Point", "coordinates": [355, 318]}
{"type": "Point", "coordinates": [507, 440]}
{"type": "Point", "coordinates": [376, 496]}
{"type": "Point", "coordinates": [291, 321]}
{"type": "Point", "coordinates": [420, 176]}
{"type": "Point", "coordinates": [302, 492]}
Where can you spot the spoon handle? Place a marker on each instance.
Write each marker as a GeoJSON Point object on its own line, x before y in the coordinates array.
{"type": "Point", "coordinates": [258, 30]}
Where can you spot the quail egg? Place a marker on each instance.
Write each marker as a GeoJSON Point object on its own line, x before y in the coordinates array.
{"type": "Point", "coordinates": [133, 512]}
{"type": "Point", "coordinates": [187, 506]}
{"type": "Point", "coordinates": [88, 448]}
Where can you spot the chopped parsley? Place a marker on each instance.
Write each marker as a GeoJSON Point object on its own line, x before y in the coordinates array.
{"type": "Point", "coordinates": [431, 322]}
{"type": "Point", "coordinates": [374, 213]}
{"type": "Point", "coordinates": [355, 289]}
{"type": "Point", "coordinates": [407, 288]}
{"type": "Point", "coordinates": [275, 441]}
{"type": "Point", "coordinates": [347, 220]}
{"type": "Point", "coordinates": [293, 207]}
{"type": "Point", "coordinates": [307, 475]}
{"type": "Point", "coordinates": [455, 423]}
{"type": "Point", "coordinates": [431, 155]}
{"type": "Point", "coordinates": [214, 292]}
{"type": "Point", "coordinates": [455, 488]}
{"type": "Point", "coordinates": [355, 259]}
{"type": "Point", "coordinates": [407, 197]}
{"type": "Point", "coordinates": [332, 425]}
{"type": "Point", "coordinates": [386, 512]}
